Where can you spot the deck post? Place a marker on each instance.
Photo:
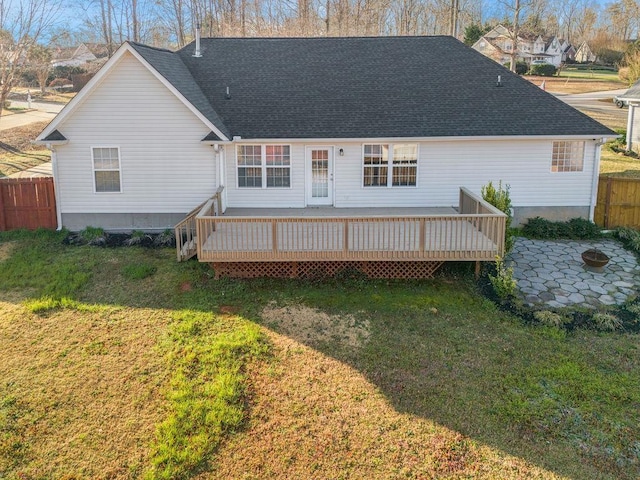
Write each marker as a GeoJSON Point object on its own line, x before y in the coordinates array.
{"type": "Point", "coordinates": [274, 237]}
{"type": "Point", "coordinates": [423, 235]}
{"type": "Point", "coordinates": [478, 263]}
{"type": "Point", "coordinates": [345, 246]}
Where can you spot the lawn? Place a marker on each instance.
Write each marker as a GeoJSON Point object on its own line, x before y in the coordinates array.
{"type": "Point", "coordinates": [122, 363]}
{"type": "Point", "coordinates": [17, 153]}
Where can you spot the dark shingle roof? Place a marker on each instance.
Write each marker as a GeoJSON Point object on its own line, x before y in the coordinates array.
{"type": "Point", "coordinates": [170, 66]}
{"type": "Point", "coordinates": [54, 136]}
{"type": "Point", "coordinates": [363, 87]}
{"type": "Point", "coordinates": [633, 93]}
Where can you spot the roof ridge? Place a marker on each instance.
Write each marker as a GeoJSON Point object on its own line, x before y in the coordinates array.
{"type": "Point", "coordinates": [150, 47]}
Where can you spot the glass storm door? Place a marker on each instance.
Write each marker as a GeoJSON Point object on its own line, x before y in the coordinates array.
{"type": "Point", "coordinates": [319, 176]}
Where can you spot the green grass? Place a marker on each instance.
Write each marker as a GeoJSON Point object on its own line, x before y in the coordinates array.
{"type": "Point", "coordinates": [590, 74]}
{"type": "Point", "coordinates": [130, 334]}
{"type": "Point", "coordinates": [207, 390]}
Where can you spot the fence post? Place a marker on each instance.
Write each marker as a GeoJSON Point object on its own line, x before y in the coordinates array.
{"type": "Point", "coordinates": [3, 221]}
{"type": "Point", "coordinates": [607, 202]}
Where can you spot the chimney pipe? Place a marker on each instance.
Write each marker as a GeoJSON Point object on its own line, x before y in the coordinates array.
{"type": "Point", "coordinates": [197, 53]}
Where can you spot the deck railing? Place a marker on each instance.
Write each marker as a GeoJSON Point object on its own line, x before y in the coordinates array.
{"type": "Point", "coordinates": [186, 230]}
{"type": "Point", "coordinates": [477, 234]}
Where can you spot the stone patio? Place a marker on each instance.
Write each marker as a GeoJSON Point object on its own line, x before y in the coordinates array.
{"type": "Point", "coordinates": [552, 273]}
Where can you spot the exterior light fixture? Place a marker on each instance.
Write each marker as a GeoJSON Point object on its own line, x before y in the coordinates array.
{"type": "Point", "coordinates": [341, 152]}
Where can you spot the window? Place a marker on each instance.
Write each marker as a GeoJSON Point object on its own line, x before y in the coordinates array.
{"type": "Point", "coordinates": [405, 165]}
{"type": "Point", "coordinates": [106, 169]}
{"type": "Point", "coordinates": [264, 166]}
{"type": "Point", "coordinates": [403, 162]}
{"type": "Point", "coordinates": [567, 157]}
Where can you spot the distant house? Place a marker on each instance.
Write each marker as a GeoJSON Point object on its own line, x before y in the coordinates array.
{"type": "Point", "coordinates": [80, 55]}
{"type": "Point", "coordinates": [584, 54]}
{"type": "Point", "coordinates": [319, 149]}
{"type": "Point", "coordinates": [632, 98]}
{"type": "Point", "coordinates": [498, 44]}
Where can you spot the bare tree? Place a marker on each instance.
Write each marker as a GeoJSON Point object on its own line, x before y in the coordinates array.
{"type": "Point", "coordinates": [23, 24]}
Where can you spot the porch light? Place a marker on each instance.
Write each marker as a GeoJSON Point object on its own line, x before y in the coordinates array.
{"type": "Point", "coordinates": [341, 152]}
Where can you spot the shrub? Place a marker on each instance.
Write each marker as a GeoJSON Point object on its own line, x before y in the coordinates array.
{"type": "Point", "coordinates": [500, 199]}
{"type": "Point", "coordinates": [503, 283]}
{"type": "Point", "coordinates": [629, 237]}
{"type": "Point", "coordinates": [165, 239]}
{"type": "Point", "coordinates": [575, 229]}
{"type": "Point", "coordinates": [521, 67]}
{"type": "Point", "coordinates": [606, 322]}
{"type": "Point", "coordinates": [543, 70]}
{"type": "Point", "coordinates": [550, 319]}
{"type": "Point", "coordinates": [137, 237]}
{"type": "Point", "coordinates": [93, 236]}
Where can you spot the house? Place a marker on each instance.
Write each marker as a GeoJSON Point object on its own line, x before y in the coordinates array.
{"type": "Point", "coordinates": [584, 54]}
{"type": "Point", "coordinates": [318, 149]}
{"type": "Point", "coordinates": [80, 55]}
{"type": "Point", "coordinates": [632, 98]}
{"type": "Point", "coordinates": [498, 45]}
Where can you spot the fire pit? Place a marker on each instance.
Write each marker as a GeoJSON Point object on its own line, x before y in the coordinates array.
{"type": "Point", "coordinates": [595, 259]}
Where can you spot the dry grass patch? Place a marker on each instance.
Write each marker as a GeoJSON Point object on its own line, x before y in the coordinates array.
{"type": "Point", "coordinates": [311, 326]}
{"type": "Point", "coordinates": [83, 390]}
{"type": "Point", "coordinates": [574, 85]}
{"type": "Point", "coordinates": [6, 248]}
{"type": "Point", "coordinates": [619, 165]}
{"type": "Point", "coordinates": [315, 417]}
{"type": "Point", "coordinates": [17, 153]}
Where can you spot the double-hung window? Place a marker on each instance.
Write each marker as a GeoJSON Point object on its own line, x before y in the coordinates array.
{"type": "Point", "coordinates": [390, 165]}
{"type": "Point", "coordinates": [567, 157]}
{"type": "Point", "coordinates": [264, 166]}
{"type": "Point", "coordinates": [106, 169]}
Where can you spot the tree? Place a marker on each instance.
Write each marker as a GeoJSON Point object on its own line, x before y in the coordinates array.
{"type": "Point", "coordinates": [473, 33]}
{"type": "Point", "coordinates": [39, 58]}
{"type": "Point", "coordinates": [23, 24]}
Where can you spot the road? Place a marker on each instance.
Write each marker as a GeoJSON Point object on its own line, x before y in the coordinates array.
{"type": "Point", "coordinates": [594, 102]}
{"type": "Point", "coordinates": [40, 112]}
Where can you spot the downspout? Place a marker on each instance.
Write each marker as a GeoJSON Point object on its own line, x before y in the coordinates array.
{"type": "Point", "coordinates": [596, 175]}
{"type": "Point", "coordinates": [56, 190]}
{"type": "Point", "coordinates": [630, 118]}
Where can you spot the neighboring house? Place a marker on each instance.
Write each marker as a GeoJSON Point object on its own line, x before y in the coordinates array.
{"type": "Point", "coordinates": [584, 54]}
{"type": "Point", "coordinates": [322, 148]}
{"type": "Point", "coordinates": [498, 44]}
{"type": "Point", "coordinates": [632, 98]}
{"type": "Point", "coordinates": [80, 55]}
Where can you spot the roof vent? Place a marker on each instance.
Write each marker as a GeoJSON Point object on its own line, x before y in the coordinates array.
{"type": "Point", "coordinates": [197, 53]}
{"type": "Point", "coordinates": [499, 82]}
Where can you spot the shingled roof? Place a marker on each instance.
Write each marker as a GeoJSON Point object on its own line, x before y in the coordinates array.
{"type": "Point", "coordinates": [369, 87]}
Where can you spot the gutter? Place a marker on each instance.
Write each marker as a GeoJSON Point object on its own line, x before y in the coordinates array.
{"type": "Point", "coordinates": [595, 178]}
{"type": "Point", "coordinates": [56, 190]}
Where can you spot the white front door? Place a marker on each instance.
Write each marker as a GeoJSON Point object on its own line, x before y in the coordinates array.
{"type": "Point", "coordinates": [319, 175]}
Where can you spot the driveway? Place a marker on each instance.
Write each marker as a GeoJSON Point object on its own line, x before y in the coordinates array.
{"type": "Point", "coordinates": [599, 102]}
{"type": "Point", "coordinates": [39, 112]}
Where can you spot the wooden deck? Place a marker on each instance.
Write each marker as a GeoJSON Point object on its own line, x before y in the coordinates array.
{"type": "Point", "coordinates": [473, 233]}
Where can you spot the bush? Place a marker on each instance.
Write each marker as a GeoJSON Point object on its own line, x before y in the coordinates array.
{"type": "Point", "coordinates": [521, 67]}
{"type": "Point", "coordinates": [503, 283]}
{"type": "Point", "coordinates": [629, 237]}
{"type": "Point", "coordinates": [574, 229]}
{"type": "Point", "coordinates": [93, 236]}
{"type": "Point", "coordinates": [550, 319]}
{"type": "Point", "coordinates": [606, 322]}
{"type": "Point", "coordinates": [500, 199]}
{"type": "Point", "coordinates": [543, 70]}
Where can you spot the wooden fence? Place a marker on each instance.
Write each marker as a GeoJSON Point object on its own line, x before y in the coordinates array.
{"type": "Point", "coordinates": [618, 202]}
{"type": "Point", "coordinates": [27, 203]}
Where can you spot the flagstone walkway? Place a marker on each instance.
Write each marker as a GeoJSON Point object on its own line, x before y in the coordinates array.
{"type": "Point", "coordinates": [552, 273]}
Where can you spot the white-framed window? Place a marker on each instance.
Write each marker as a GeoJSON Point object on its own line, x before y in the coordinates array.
{"type": "Point", "coordinates": [106, 169]}
{"type": "Point", "coordinates": [390, 165]}
{"type": "Point", "coordinates": [567, 157]}
{"type": "Point", "coordinates": [263, 166]}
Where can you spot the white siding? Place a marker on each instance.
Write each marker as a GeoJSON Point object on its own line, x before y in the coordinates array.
{"type": "Point", "coordinates": [443, 167]}
{"type": "Point", "coordinates": [164, 166]}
